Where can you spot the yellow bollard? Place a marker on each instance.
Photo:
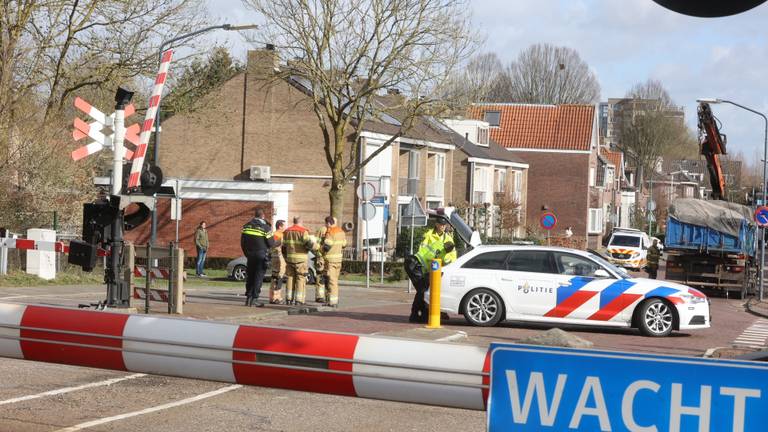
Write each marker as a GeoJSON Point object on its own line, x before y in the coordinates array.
{"type": "Point", "coordinates": [435, 278]}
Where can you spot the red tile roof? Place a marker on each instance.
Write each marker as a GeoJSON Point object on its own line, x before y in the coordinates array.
{"type": "Point", "coordinates": [614, 157]}
{"type": "Point", "coordinates": [550, 127]}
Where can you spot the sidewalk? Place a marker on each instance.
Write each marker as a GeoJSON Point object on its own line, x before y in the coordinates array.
{"type": "Point", "coordinates": [757, 307]}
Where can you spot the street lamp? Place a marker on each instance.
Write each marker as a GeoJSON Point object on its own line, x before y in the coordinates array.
{"type": "Point", "coordinates": [765, 174]}
{"type": "Point", "coordinates": [156, 152]}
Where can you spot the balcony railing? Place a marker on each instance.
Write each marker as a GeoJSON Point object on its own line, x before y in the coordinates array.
{"type": "Point", "coordinates": [408, 186]}
{"type": "Point", "coordinates": [435, 187]}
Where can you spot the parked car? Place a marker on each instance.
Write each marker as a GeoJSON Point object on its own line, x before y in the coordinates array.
{"type": "Point", "coordinates": [491, 284]}
{"type": "Point", "coordinates": [237, 269]}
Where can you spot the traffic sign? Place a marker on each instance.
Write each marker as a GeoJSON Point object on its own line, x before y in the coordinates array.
{"type": "Point", "coordinates": [366, 191]}
{"type": "Point", "coordinates": [367, 211]}
{"type": "Point", "coordinates": [761, 216]}
{"type": "Point", "coordinates": [651, 205]}
{"type": "Point", "coordinates": [537, 388]}
{"type": "Point", "coordinates": [414, 214]}
{"type": "Point", "coordinates": [548, 221]}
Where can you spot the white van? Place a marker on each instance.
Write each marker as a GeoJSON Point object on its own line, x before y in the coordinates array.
{"type": "Point", "coordinates": [629, 248]}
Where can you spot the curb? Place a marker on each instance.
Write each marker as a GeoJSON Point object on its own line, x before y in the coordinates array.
{"type": "Point", "coordinates": [748, 307]}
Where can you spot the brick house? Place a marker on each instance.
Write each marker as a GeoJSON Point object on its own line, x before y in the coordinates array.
{"type": "Point", "coordinates": [566, 174]}
{"type": "Point", "coordinates": [257, 144]}
{"type": "Point", "coordinates": [489, 180]}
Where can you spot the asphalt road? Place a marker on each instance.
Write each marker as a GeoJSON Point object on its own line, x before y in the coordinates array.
{"type": "Point", "coordinates": [48, 397]}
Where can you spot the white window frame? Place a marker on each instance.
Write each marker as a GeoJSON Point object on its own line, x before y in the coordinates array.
{"type": "Point", "coordinates": [595, 221]}
{"type": "Point", "coordinates": [439, 166]}
{"type": "Point", "coordinates": [592, 179]}
{"type": "Point", "coordinates": [501, 180]}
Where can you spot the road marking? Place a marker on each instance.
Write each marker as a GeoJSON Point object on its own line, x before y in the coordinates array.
{"type": "Point", "coordinates": [104, 420]}
{"type": "Point", "coordinates": [754, 336]}
{"type": "Point", "coordinates": [70, 389]}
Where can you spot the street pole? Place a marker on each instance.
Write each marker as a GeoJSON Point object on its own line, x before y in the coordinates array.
{"type": "Point", "coordinates": [156, 151]}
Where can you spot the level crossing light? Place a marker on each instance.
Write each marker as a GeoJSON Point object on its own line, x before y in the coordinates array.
{"type": "Point", "coordinates": [765, 174]}
{"type": "Point", "coordinates": [156, 152]}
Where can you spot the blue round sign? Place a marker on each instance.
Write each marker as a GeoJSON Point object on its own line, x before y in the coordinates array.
{"type": "Point", "coordinates": [435, 265]}
{"type": "Point", "coordinates": [761, 216]}
{"type": "Point", "coordinates": [548, 221]}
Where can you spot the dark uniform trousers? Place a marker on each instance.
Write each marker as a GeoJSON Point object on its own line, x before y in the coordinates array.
{"type": "Point", "coordinates": [257, 269]}
{"type": "Point", "coordinates": [419, 310]}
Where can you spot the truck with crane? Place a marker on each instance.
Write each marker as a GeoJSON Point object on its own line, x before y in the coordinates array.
{"type": "Point", "coordinates": [711, 244]}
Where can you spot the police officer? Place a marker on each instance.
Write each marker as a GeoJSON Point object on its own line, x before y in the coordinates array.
{"type": "Point", "coordinates": [653, 256]}
{"type": "Point", "coordinates": [321, 276]}
{"type": "Point", "coordinates": [278, 265]}
{"type": "Point", "coordinates": [437, 243]}
{"type": "Point", "coordinates": [296, 245]}
{"type": "Point", "coordinates": [333, 246]}
{"type": "Point", "coordinates": [255, 240]}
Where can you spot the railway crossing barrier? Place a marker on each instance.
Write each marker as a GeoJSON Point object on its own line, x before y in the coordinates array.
{"type": "Point", "coordinates": [374, 367]}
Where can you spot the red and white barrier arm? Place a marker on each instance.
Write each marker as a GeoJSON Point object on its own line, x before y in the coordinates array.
{"type": "Point", "coordinates": [38, 245]}
{"type": "Point", "coordinates": [404, 370]}
{"type": "Point", "coordinates": [149, 120]}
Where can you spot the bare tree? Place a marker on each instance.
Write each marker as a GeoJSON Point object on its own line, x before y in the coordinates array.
{"type": "Point", "coordinates": [548, 74]}
{"type": "Point", "coordinates": [652, 90]}
{"type": "Point", "coordinates": [350, 51]}
{"type": "Point", "coordinates": [51, 50]}
{"type": "Point", "coordinates": [652, 127]}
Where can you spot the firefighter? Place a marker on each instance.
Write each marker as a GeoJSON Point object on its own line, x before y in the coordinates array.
{"type": "Point", "coordinates": [334, 242]}
{"type": "Point", "coordinates": [437, 243]}
{"type": "Point", "coordinates": [296, 245]}
{"type": "Point", "coordinates": [321, 276]}
{"type": "Point", "coordinates": [255, 241]}
{"type": "Point", "coordinates": [278, 265]}
{"type": "Point", "coordinates": [652, 257]}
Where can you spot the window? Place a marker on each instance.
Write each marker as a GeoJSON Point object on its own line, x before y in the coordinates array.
{"type": "Point", "coordinates": [625, 240]}
{"type": "Point", "coordinates": [413, 164]}
{"type": "Point", "coordinates": [432, 205]}
{"type": "Point", "coordinates": [533, 261]}
{"type": "Point", "coordinates": [591, 177]}
{"type": "Point", "coordinates": [501, 181]}
{"type": "Point", "coordinates": [595, 225]}
{"type": "Point", "coordinates": [488, 261]}
{"type": "Point", "coordinates": [439, 166]}
{"type": "Point", "coordinates": [482, 136]}
{"type": "Point", "coordinates": [493, 118]}
{"type": "Point", "coordinates": [482, 184]}
{"type": "Point", "coordinates": [517, 187]}
{"type": "Point", "coordinates": [574, 265]}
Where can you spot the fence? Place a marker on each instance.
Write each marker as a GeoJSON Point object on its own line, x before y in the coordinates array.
{"type": "Point", "coordinates": [167, 263]}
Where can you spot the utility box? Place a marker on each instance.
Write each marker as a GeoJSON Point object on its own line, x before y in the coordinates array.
{"type": "Point", "coordinates": [41, 263]}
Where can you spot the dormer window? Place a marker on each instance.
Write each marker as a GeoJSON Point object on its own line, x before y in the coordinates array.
{"type": "Point", "coordinates": [493, 118]}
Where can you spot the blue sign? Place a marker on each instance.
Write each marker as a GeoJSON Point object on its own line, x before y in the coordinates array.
{"type": "Point", "coordinates": [537, 388]}
{"type": "Point", "coordinates": [761, 216]}
{"type": "Point", "coordinates": [548, 221]}
{"type": "Point", "coordinates": [435, 265]}
{"type": "Point", "coordinates": [378, 199]}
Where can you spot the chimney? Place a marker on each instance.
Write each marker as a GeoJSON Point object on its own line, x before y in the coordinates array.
{"type": "Point", "coordinates": [262, 62]}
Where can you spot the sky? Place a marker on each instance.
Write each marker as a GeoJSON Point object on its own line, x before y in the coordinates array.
{"type": "Point", "coordinates": [624, 42]}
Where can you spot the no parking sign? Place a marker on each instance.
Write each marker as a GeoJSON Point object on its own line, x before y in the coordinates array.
{"type": "Point", "coordinates": [761, 216]}
{"type": "Point", "coordinates": [548, 221]}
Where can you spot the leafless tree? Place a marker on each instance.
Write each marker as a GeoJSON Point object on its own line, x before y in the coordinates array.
{"type": "Point", "coordinates": [51, 50]}
{"type": "Point", "coordinates": [548, 74]}
{"type": "Point", "coordinates": [652, 90]}
{"type": "Point", "coordinates": [351, 51]}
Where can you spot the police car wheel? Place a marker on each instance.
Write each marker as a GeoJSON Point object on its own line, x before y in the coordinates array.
{"type": "Point", "coordinates": [656, 318]}
{"type": "Point", "coordinates": [483, 307]}
{"type": "Point", "coordinates": [239, 273]}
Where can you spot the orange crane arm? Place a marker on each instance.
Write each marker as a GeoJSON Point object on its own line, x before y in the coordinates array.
{"type": "Point", "coordinates": [712, 145]}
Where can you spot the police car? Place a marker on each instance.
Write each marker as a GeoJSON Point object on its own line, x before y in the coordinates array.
{"type": "Point", "coordinates": [490, 284]}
